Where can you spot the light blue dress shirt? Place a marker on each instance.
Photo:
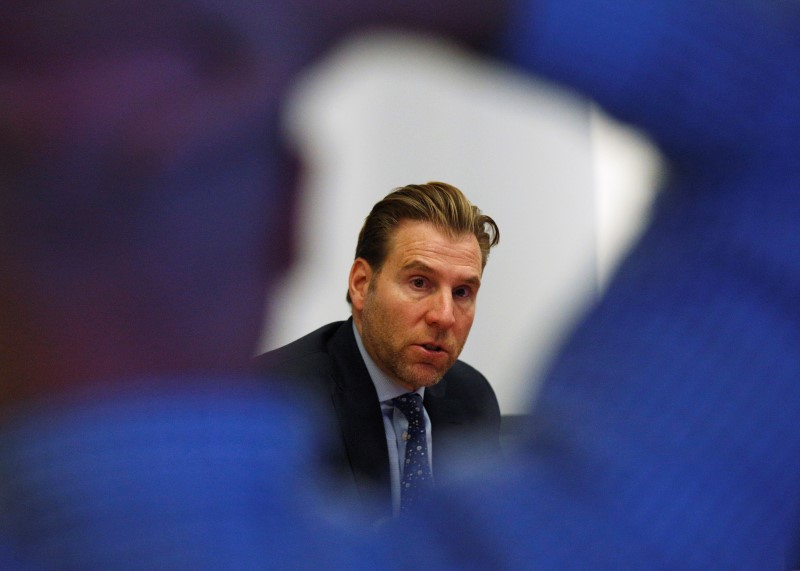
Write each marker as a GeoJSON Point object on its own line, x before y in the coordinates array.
{"type": "Point", "coordinates": [394, 421]}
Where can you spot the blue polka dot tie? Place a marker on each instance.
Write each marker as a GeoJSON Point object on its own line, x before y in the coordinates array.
{"type": "Point", "coordinates": [416, 470]}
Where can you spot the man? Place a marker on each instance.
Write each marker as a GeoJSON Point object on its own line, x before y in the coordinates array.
{"type": "Point", "coordinates": [413, 289]}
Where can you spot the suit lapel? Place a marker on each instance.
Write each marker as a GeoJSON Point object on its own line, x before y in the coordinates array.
{"type": "Point", "coordinates": [360, 419]}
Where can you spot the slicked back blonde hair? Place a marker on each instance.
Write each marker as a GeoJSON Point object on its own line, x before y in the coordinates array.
{"type": "Point", "coordinates": [439, 203]}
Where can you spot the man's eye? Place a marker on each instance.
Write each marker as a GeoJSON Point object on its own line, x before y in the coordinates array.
{"type": "Point", "coordinates": [461, 292]}
{"type": "Point", "coordinates": [418, 282]}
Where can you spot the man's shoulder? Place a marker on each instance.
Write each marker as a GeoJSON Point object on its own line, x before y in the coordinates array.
{"type": "Point", "coordinates": [308, 354]}
{"type": "Point", "coordinates": [465, 387]}
{"type": "Point", "coordinates": [465, 376]}
{"type": "Point", "coordinates": [463, 408]}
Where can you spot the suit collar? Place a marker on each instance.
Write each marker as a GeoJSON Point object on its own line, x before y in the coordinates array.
{"type": "Point", "coordinates": [358, 410]}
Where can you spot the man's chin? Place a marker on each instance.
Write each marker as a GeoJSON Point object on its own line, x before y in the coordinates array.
{"type": "Point", "coordinates": [422, 380]}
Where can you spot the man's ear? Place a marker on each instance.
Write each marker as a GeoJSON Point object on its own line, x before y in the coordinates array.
{"type": "Point", "coordinates": [360, 278]}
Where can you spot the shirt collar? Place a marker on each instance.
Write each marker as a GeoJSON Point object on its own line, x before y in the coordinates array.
{"type": "Point", "coordinates": [386, 388]}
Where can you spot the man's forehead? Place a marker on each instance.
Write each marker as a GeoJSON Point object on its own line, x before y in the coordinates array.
{"type": "Point", "coordinates": [423, 246]}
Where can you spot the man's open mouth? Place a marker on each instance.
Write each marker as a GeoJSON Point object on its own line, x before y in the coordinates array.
{"type": "Point", "coordinates": [429, 347]}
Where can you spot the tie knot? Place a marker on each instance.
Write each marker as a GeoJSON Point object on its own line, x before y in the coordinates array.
{"type": "Point", "coordinates": [410, 404]}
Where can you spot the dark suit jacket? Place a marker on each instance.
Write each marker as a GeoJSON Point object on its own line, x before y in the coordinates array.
{"type": "Point", "coordinates": [327, 366]}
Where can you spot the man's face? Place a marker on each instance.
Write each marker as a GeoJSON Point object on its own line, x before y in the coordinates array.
{"type": "Point", "coordinates": [414, 315]}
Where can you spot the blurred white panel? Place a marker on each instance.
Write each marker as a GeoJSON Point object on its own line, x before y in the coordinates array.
{"type": "Point", "coordinates": [388, 111]}
{"type": "Point", "coordinates": [627, 170]}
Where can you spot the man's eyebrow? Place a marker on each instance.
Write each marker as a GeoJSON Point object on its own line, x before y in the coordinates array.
{"type": "Point", "coordinates": [418, 265]}
{"type": "Point", "coordinates": [425, 268]}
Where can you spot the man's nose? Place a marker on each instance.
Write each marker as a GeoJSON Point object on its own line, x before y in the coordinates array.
{"type": "Point", "coordinates": [441, 310]}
